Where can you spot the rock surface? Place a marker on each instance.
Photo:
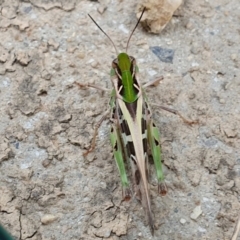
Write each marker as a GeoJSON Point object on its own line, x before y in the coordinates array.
{"type": "Point", "coordinates": [47, 121]}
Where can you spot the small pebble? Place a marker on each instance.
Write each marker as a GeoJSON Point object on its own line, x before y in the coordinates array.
{"type": "Point", "coordinates": [230, 133]}
{"type": "Point", "coordinates": [46, 162]}
{"type": "Point", "coordinates": [189, 25]}
{"type": "Point", "coordinates": [192, 96]}
{"type": "Point", "coordinates": [72, 49]}
{"type": "Point", "coordinates": [182, 221]}
{"type": "Point", "coordinates": [72, 65]}
{"type": "Point", "coordinates": [141, 42]}
{"type": "Point", "coordinates": [86, 199]}
{"type": "Point", "coordinates": [234, 56]}
{"type": "Point", "coordinates": [197, 211]}
{"type": "Point", "coordinates": [91, 157]}
{"type": "Point", "coordinates": [94, 64]}
{"type": "Point", "coordinates": [103, 185]}
{"type": "Point", "coordinates": [81, 55]}
{"type": "Point", "coordinates": [227, 85]}
{"type": "Point", "coordinates": [57, 66]}
{"type": "Point", "coordinates": [195, 49]}
{"type": "Point", "coordinates": [101, 9]}
{"type": "Point", "coordinates": [65, 118]}
{"type": "Point", "coordinates": [222, 101]}
{"type": "Point", "coordinates": [48, 218]}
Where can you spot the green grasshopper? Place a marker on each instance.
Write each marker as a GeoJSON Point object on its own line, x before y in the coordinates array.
{"type": "Point", "coordinates": [133, 133]}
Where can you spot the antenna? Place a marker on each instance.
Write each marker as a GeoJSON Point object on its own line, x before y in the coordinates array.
{"type": "Point", "coordinates": [135, 28]}
{"type": "Point", "coordinates": [104, 33]}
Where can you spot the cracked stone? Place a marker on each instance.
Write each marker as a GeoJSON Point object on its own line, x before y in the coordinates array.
{"type": "Point", "coordinates": [54, 44]}
{"type": "Point", "coordinates": [68, 5]}
{"type": "Point", "coordinates": [35, 66]}
{"type": "Point", "coordinates": [6, 197]}
{"type": "Point", "coordinates": [43, 47]}
{"type": "Point", "coordinates": [221, 178]}
{"type": "Point", "coordinates": [212, 160]}
{"type": "Point", "coordinates": [46, 75]}
{"type": "Point", "coordinates": [12, 223]}
{"type": "Point", "coordinates": [230, 133]}
{"type": "Point", "coordinates": [228, 185]}
{"type": "Point", "coordinates": [120, 224]}
{"type": "Point", "coordinates": [23, 58]}
{"type": "Point", "coordinates": [43, 141]}
{"type": "Point", "coordinates": [194, 177]}
{"type": "Point", "coordinates": [57, 67]}
{"type": "Point", "coordinates": [109, 215]}
{"type": "Point", "coordinates": [9, 64]}
{"type": "Point", "coordinates": [24, 174]}
{"type": "Point", "coordinates": [10, 68]}
{"type": "Point", "coordinates": [37, 193]}
{"type": "Point", "coordinates": [5, 150]}
{"type": "Point", "coordinates": [97, 219]}
{"type": "Point", "coordinates": [48, 200]}
{"type": "Point", "coordinates": [5, 23]}
{"type": "Point", "coordinates": [2, 70]}
{"type": "Point", "coordinates": [60, 156]}
{"type": "Point", "coordinates": [103, 232]}
{"type": "Point", "coordinates": [237, 185]}
{"type": "Point", "coordinates": [57, 128]}
{"type": "Point", "coordinates": [28, 227]}
{"type": "Point", "coordinates": [47, 5]}
{"type": "Point", "coordinates": [22, 24]}
{"type": "Point", "coordinates": [113, 238]}
{"type": "Point", "coordinates": [28, 104]}
{"type": "Point", "coordinates": [4, 55]}
{"type": "Point", "coordinates": [9, 12]}
{"type": "Point", "coordinates": [15, 132]}
{"type": "Point", "coordinates": [195, 49]}
{"type": "Point", "coordinates": [42, 88]}
{"type": "Point", "coordinates": [64, 119]}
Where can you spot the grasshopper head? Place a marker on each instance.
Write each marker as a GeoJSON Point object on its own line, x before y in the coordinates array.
{"type": "Point", "coordinates": [124, 62]}
{"type": "Point", "coordinates": [124, 68]}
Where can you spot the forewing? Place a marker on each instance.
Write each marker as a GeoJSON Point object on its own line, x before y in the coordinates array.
{"type": "Point", "coordinates": [134, 134]}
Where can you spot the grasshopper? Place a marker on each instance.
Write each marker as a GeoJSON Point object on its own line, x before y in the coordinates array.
{"type": "Point", "coordinates": [133, 132]}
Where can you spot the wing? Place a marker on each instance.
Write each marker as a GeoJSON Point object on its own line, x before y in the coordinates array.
{"type": "Point", "coordinates": [134, 134]}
